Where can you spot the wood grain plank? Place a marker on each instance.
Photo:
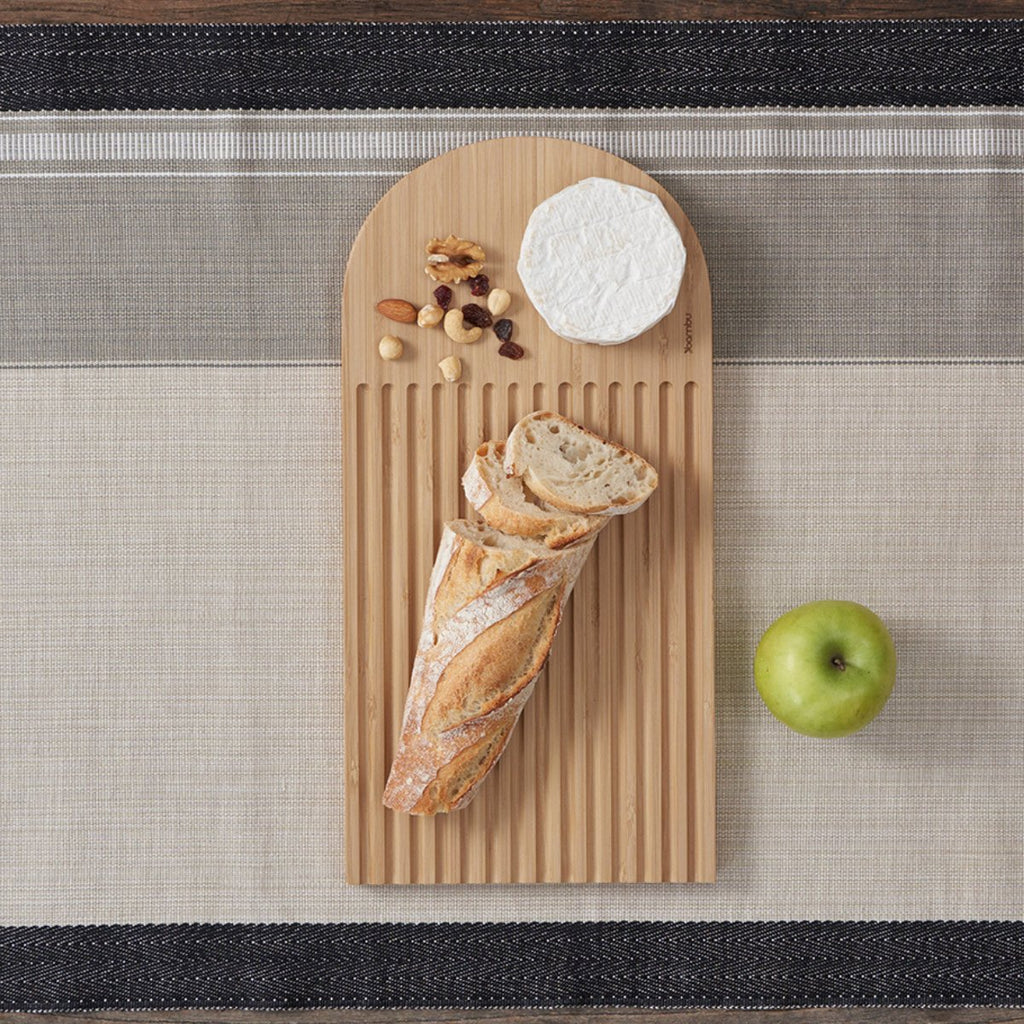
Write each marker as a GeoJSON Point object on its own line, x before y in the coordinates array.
{"type": "Point", "coordinates": [575, 720]}
{"type": "Point", "coordinates": [642, 651]}
{"type": "Point", "coordinates": [352, 471]}
{"type": "Point", "coordinates": [499, 851]}
{"type": "Point", "coordinates": [629, 682]}
{"type": "Point", "coordinates": [646, 697]}
{"type": "Point", "coordinates": [374, 641]}
{"type": "Point", "coordinates": [599, 416]}
{"type": "Point", "coordinates": [564, 671]}
{"type": "Point", "coordinates": [699, 541]}
{"type": "Point", "coordinates": [448, 445]}
{"type": "Point", "coordinates": [422, 540]}
{"type": "Point", "coordinates": [524, 740]}
{"type": "Point", "coordinates": [673, 681]}
{"type": "Point", "coordinates": [634, 649]}
{"type": "Point", "coordinates": [398, 445]}
{"type": "Point", "coordinates": [700, 645]}
{"type": "Point", "coordinates": [474, 854]}
{"type": "Point", "coordinates": [550, 726]}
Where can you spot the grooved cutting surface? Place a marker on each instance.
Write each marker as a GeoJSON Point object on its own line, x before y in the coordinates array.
{"type": "Point", "coordinates": [609, 775]}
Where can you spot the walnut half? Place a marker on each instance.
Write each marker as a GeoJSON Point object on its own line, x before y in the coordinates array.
{"type": "Point", "coordinates": [453, 259]}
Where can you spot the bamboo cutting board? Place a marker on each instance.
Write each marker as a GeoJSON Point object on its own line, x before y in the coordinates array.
{"type": "Point", "coordinates": [609, 776]}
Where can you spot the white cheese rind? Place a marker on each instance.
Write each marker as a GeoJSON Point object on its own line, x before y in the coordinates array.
{"type": "Point", "coordinates": [601, 261]}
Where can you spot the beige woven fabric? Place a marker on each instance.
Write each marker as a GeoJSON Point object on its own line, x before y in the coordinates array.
{"type": "Point", "coordinates": [170, 616]}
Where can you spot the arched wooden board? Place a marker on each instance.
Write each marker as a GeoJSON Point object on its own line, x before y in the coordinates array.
{"type": "Point", "coordinates": [610, 774]}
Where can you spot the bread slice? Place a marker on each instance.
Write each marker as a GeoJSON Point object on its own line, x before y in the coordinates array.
{"type": "Point", "coordinates": [493, 606]}
{"type": "Point", "coordinates": [506, 505]}
{"type": "Point", "coordinates": [573, 469]}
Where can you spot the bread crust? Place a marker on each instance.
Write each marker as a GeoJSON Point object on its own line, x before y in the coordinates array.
{"type": "Point", "coordinates": [555, 527]}
{"type": "Point", "coordinates": [491, 617]}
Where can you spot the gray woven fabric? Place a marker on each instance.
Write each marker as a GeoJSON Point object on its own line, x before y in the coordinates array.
{"type": "Point", "coordinates": [170, 690]}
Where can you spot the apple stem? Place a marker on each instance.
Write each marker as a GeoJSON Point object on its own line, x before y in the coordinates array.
{"type": "Point", "coordinates": [839, 663]}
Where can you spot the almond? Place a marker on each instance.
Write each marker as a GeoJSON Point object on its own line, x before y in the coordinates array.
{"type": "Point", "coordinates": [397, 309]}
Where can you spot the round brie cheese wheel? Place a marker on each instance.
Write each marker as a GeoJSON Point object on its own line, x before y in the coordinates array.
{"type": "Point", "coordinates": [601, 261]}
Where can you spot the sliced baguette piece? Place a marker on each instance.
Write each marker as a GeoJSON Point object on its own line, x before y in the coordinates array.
{"type": "Point", "coordinates": [493, 606]}
{"type": "Point", "coordinates": [573, 469]}
{"type": "Point", "coordinates": [506, 505]}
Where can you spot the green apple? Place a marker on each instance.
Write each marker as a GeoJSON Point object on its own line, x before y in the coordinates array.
{"type": "Point", "coordinates": [826, 668]}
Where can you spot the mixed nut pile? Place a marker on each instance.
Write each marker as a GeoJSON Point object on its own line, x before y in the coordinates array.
{"type": "Point", "coordinates": [449, 262]}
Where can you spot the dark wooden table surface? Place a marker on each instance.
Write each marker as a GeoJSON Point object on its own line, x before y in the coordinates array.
{"type": "Point", "coordinates": [818, 1016]}
{"type": "Point", "coordinates": [28, 11]}
{"type": "Point", "coordinates": [821, 1016]}
{"type": "Point", "coordinates": [297, 11]}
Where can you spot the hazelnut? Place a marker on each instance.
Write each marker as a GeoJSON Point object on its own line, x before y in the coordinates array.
{"type": "Point", "coordinates": [498, 300]}
{"type": "Point", "coordinates": [451, 368]}
{"type": "Point", "coordinates": [430, 316]}
{"type": "Point", "coordinates": [390, 347]}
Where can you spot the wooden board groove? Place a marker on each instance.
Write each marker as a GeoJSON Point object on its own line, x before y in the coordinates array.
{"type": "Point", "coordinates": [609, 777]}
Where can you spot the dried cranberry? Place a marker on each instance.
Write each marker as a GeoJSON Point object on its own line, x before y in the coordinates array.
{"type": "Point", "coordinates": [443, 295]}
{"type": "Point", "coordinates": [478, 285]}
{"type": "Point", "coordinates": [476, 315]}
{"type": "Point", "coordinates": [503, 329]}
{"type": "Point", "coordinates": [512, 350]}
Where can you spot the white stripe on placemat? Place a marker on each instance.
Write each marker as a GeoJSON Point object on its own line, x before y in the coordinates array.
{"type": "Point", "coordinates": [631, 113]}
{"type": "Point", "coordinates": [701, 172]}
{"type": "Point", "coordinates": [686, 144]}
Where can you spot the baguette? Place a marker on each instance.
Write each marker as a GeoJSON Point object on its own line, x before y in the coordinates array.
{"type": "Point", "coordinates": [493, 606]}
{"type": "Point", "coordinates": [495, 599]}
{"type": "Point", "coordinates": [573, 469]}
{"type": "Point", "coordinates": [506, 505]}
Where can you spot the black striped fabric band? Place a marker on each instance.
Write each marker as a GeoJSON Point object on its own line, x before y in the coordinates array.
{"type": "Point", "coordinates": [516, 64]}
{"type": "Point", "coordinates": [637, 964]}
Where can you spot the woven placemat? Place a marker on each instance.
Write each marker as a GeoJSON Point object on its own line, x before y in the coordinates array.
{"type": "Point", "coordinates": [178, 205]}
